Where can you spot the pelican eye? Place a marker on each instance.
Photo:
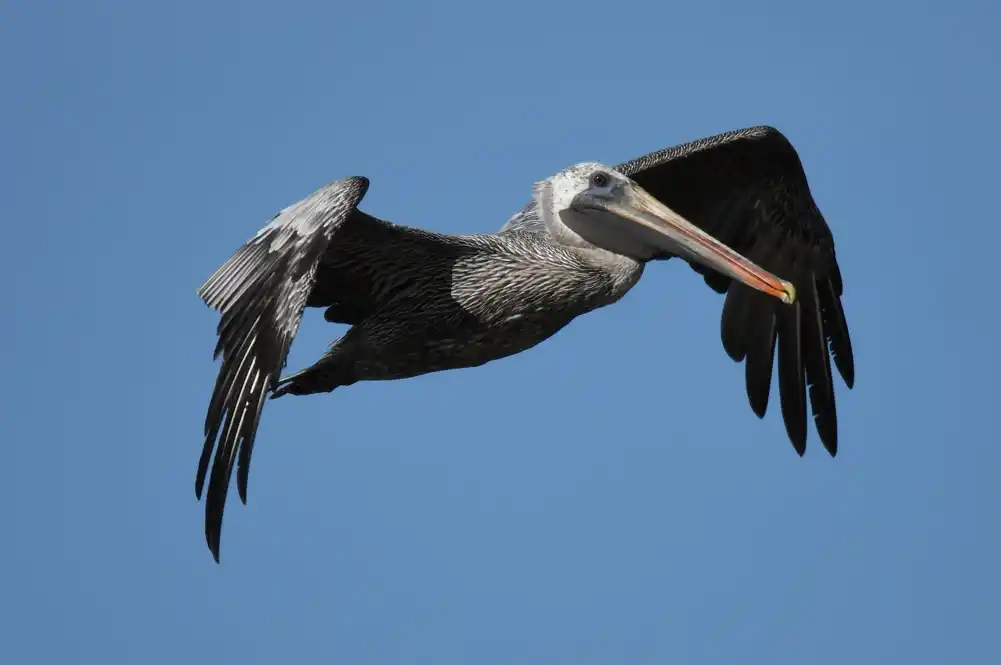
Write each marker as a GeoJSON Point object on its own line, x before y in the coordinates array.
{"type": "Point", "coordinates": [600, 179]}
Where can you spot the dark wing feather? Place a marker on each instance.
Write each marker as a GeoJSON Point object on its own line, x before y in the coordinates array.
{"type": "Point", "coordinates": [261, 292]}
{"type": "Point", "coordinates": [749, 190]}
{"type": "Point", "coordinates": [373, 261]}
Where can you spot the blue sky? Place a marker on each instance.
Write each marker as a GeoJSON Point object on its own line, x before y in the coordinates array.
{"type": "Point", "coordinates": [605, 497]}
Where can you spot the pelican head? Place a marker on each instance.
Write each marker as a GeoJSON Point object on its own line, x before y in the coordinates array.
{"type": "Point", "coordinates": [593, 205]}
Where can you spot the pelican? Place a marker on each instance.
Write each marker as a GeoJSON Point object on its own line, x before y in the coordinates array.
{"type": "Point", "coordinates": [735, 206]}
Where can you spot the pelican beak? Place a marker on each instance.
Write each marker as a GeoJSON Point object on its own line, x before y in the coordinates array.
{"type": "Point", "coordinates": [668, 230]}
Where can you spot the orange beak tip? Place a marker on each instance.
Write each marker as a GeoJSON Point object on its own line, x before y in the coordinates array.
{"type": "Point", "coordinates": [789, 297]}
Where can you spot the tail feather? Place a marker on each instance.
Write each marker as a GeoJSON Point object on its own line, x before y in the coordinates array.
{"type": "Point", "coordinates": [261, 292]}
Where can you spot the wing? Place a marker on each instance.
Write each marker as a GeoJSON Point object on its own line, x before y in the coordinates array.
{"type": "Point", "coordinates": [261, 292]}
{"type": "Point", "coordinates": [374, 261]}
{"type": "Point", "coordinates": [749, 190]}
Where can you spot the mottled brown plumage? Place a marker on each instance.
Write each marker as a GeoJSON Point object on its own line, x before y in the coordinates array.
{"type": "Point", "coordinates": [420, 301]}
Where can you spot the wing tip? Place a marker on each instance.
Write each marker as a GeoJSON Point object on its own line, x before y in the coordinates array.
{"type": "Point", "coordinates": [212, 540]}
{"type": "Point", "coordinates": [846, 368]}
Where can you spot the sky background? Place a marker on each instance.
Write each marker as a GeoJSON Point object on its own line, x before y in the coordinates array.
{"type": "Point", "coordinates": [606, 497]}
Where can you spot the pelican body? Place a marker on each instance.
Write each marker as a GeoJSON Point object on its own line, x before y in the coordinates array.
{"type": "Point", "coordinates": [420, 302]}
{"type": "Point", "coordinates": [489, 297]}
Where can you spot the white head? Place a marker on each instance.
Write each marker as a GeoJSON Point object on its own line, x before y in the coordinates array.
{"type": "Point", "coordinates": [590, 205]}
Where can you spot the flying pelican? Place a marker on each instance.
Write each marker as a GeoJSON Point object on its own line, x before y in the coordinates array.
{"type": "Point", "coordinates": [421, 302]}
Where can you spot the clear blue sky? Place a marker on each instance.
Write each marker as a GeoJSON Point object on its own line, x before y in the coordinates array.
{"type": "Point", "coordinates": [607, 497]}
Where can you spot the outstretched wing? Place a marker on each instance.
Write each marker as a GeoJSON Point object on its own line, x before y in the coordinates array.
{"type": "Point", "coordinates": [748, 189]}
{"type": "Point", "coordinates": [261, 292]}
